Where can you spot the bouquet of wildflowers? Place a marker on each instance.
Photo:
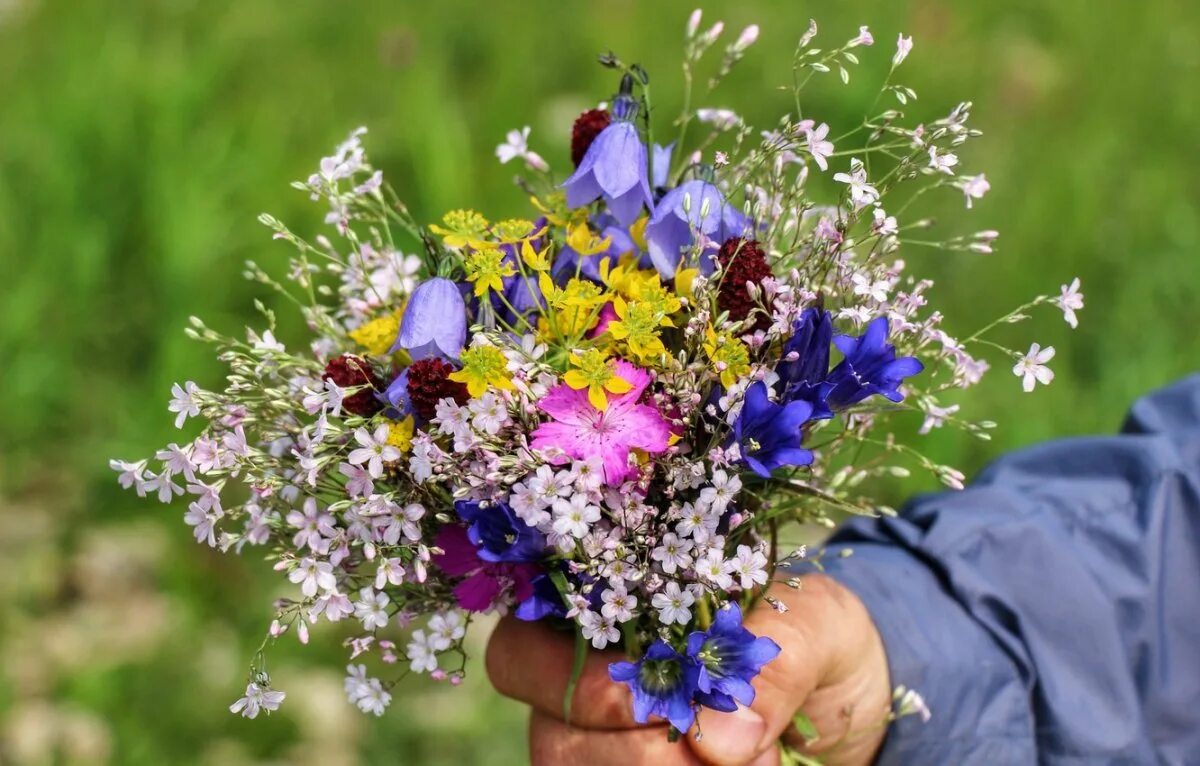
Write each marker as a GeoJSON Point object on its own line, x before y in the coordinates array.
{"type": "Point", "coordinates": [605, 416]}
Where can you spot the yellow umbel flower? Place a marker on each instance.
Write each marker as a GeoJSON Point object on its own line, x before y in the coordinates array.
{"type": "Point", "coordinates": [400, 434]}
{"type": "Point", "coordinates": [728, 354]}
{"type": "Point", "coordinates": [576, 306]}
{"type": "Point", "coordinates": [378, 335]}
{"type": "Point", "coordinates": [554, 207]}
{"type": "Point", "coordinates": [486, 269]}
{"type": "Point", "coordinates": [462, 227]}
{"type": "Point", "coordinates": [515, 230]}
{"type": "Point", "coordinates": [598, 374]}
{"type": "Point", "coordinates": [483, 367]}
{"type": "Point", "coordinates": [638, 324]}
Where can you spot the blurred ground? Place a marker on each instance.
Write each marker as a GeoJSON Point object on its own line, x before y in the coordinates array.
{"type": "Point", "coordinates": [139, 140]}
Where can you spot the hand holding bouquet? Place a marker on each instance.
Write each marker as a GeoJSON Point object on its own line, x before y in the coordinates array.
{"type": "Point", "coordinates": [605, 416]}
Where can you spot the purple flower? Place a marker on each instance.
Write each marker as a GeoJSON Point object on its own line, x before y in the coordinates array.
{"type": "Point", "coordinates": [669, 232]}
{"type": "Point", "coordinates": [396, 395]}
{"type": "Point", "coordinates": [499, 534]}
{"type": "Point", "coordinates": [613, 168]}
{"type": "Point", "coordinates": [729, 656]}
{"type": "Point", "coordinates": [802, 378]}
{"type": "Point", "coordinates": [544, 601]}
{"type": "Point", "coordinates": [663, 682]}
{"type": "Point", "coordinates": [870, 367]}
{"type": "Point", "coordinates": [434, 322]}
{"type": "Point", "coordinates": [660, 164]}
{"type": "Point", "coordinates": [769, 434]}
{"type": "Point", "coordinates": [483, 583]}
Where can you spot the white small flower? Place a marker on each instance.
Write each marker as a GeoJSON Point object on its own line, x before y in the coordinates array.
{"type": "Point", "coordinates": [721, 119]}
{"type": "Point", "coordinates": [356, 682]}
{"type": "Point", "coordinates": [750, 566]}
{"type": "Point", "coordinates": [904, 46]}
{"type": "Point", "coordinates": [205, 523]}
{"type": "Point", "coordinates": [672, 553]}
{"type": "Point", "coordinates": [884, 225]}
{"type": "Point", "coordinates": [697, 523]}
{"type": "Point", "coordinates": [374, 698]}
{"type": "Point", "coordinates": [818, 146]}
{"type": "Point", "coordinates": [131, 474]}
{"type": "Point", "coordinates": [618, 604]}
{"type": "Point", "coordinates": [713, 567]}
{"type": "Point", "coordinates": [864, 38]}
{"type": "Point", "coordinates": [358, 480]}
{"type": "Point", "coordinates": [877, 290]}
{"type": "Point", "coordinates": [723, 489]}
{"type": "Point", "coordinates": [390, 571]}
{"type": "Point", "coordinates": [974, 187]}
{"type": "Point", "coordinates": [574, 516]}
{"type": "Point", "coordinates": [942, 163]}
{"type": "Point", "coordinates": [861, 192]}
{"type": "Point", "coordinates": [371, 608]}
{"type": "Point", "coordinates": [375, 450]}
{"type": "Point", "coordinates": [313, 575]}
{"type": "Point", "coordinates": [746, 38]}
{"type": "Point", "coordinates": [935, 417]}
{"type": "Point", "coordinates": [516, 144]}
{"type": "Point", "coordinates": [673, 604]}
{"type": "Point", "coordinates": [1070, 301]}
{"type": "Point", "coordinates": [445, 628]}
{"type": "Point", "coordinates": [422, 657]}
{"type": "Point", "coordinates": [600, 630]}
{"type": "Point", "coordinates": [1032, 368]}
{"type": "Point", "coordinates": [549, 485]}
{"type": "Point", "coordinates": [528, 506]}
{"type": "Point", "coordinates": [183, 401]}
{"type": "Point", "coordinates": [490, 413]}
{"type": "Point", "coordinates": [257, 698]}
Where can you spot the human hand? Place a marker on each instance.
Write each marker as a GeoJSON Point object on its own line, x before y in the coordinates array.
{"type": "Point", "coordinates": [832, 667]}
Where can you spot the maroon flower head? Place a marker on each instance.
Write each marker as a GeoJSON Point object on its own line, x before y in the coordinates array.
{"type": "Point", "coordinates": [349, 371]}
{"type": "Point", "coordinates": [587, 126]}
{"type": "Point", "coordinates": [742, 261]}
{"type": "Point", "coordinates": [429, 382]}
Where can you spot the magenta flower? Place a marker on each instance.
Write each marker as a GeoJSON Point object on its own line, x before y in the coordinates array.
{"type": "Point", "coordinates": [582, 432]}
{"type": "Point", "coordinates": [484, 581]}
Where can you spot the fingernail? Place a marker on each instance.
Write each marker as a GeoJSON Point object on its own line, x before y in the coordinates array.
{"type": "Point", "coordinates": [732, 737]}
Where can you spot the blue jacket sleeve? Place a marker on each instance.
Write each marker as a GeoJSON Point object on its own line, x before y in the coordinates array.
{"type": "Point", "coordinates": [1050, 613]}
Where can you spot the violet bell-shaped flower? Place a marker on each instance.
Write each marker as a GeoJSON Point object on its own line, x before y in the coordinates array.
{"type": "Point", "coordinates": [693, 209]}
{"type": "Point", "coordinates": [434, 321]}
{"type": "Point", "coordinates": [615, 168]}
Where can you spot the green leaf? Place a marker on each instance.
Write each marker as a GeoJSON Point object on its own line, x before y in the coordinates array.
{"type": "Point", "coordinates": [806, 728]}
{"type": "Point", "coordinates": [581, 650]}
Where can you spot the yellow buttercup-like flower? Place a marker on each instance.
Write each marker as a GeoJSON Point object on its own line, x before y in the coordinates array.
{"type": "Point", "coordinates": [486, 269]}
{"type": "Point", "coordinates": [378, 335]}
{"type": "Point", "coordinates": [462, 228]}
{"type": "Point", "coordinates": [400, 434]}
{"type": "Point", "coordinates": [597, 373]}
{"type": "Point", "coordinates": [538, 261]}
{"type": "Point", "coordinates": [576, 307]}
{"type": "Point", "coordinates": [581, 239]}
{"type": "Point", "coordinates": [483, 367]}
{"type": "Point", "coordinates": [728, 354]}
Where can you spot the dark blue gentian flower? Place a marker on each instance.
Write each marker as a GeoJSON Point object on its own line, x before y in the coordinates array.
{"type": "Point", "coordinates": [545, 601]}
{"type": "Point", "coordinates": [669, 231]}
{"type": "Point", "coordinates": [769, 434]}
{"type": "Point", "coordinates": [499, 534]}
{"type": "Point", "coordinates": [434, 321]}
{"type": "Point", "coordinates": [614, 168]}
{"type": "Point", "coordinates": [663, 682]}
{"type": "Point", "coordinates": [870, 367]}
{"type": "Point", "coordinates": [729, 656]}
{"type": "Point", "coordinates": [803, 378]}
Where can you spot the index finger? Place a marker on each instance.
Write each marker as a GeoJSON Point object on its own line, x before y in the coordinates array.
{"type": "Point", "coordinates": [530, 663]}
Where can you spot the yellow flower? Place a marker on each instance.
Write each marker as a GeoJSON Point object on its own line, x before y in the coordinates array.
{"type": "Point", "coordinates": [533, 259]}
{"type": "Point", "coordinates": [728, 354]}
{"type": "Point", "coordinates": [554, 207]}
{"type": "Point", "coordinates": [515, 230]}
{"type": "Point", "coordinates": [638, 325]}
{"type": "Point", "coordinates": [400, 434]}
{"type": "Point", "coordinates": [684, 279]}
{"type": "Point", "coordinates": [581, 239]}
{"type": "Point", "coordinates": [637, 232]}
{"type": "Point", "coordinates": [487, 269]}
{"type": "Point", "coordinates": [597, 373]}
{"type": "Point", "coordinates": [483, 367]}
{"type": "Point", "coordinates": [576, 306]}
{"type": "Point", "coordinates": [463, 227]}
{"type": "Point", "coordinates": [378, 335]}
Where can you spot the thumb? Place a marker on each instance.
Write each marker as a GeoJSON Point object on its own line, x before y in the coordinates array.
{"type": "Point", "coordinates": [807, 635]}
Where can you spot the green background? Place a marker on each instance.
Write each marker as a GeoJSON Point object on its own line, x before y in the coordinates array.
{"type": "Point", "coordinates": [139, 140]}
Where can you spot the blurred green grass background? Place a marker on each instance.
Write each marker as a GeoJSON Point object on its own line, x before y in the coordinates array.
{"type": "Point", "coordinates": [139, 140]}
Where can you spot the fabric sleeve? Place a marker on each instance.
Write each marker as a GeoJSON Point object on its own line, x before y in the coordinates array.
{"type": "Point", "coordinates": [1050, 613]}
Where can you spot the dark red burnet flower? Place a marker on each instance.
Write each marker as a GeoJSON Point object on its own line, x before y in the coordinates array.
{"type": "Point", "coordinates": [587, 126]}
{"type": "Point", "coordinates": [742, 261]}
{"type": "Point", "coordinates": [429, 382]}
{"type": "Point", "coordinates": [349, 371]}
